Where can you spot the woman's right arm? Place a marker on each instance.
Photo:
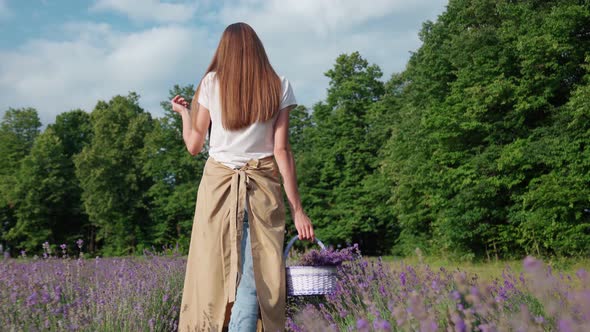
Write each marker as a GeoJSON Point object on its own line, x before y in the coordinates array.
{"type": "Point", "coordinates": [194, 138]}
{"type": "Point", "coordinates": [286, 162]}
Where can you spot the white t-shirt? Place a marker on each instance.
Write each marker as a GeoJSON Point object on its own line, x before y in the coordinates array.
{"type": "Point", "coordinates": [235, 148]}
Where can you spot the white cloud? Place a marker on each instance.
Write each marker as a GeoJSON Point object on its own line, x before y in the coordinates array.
{"type": "Point", "coordinates": [56, 76]}
{"type": "Point", "coordinates": [95, 61]}
{"type": "Point", "coordinates": [320, 16]}
{"type": "Point", "coordinates": [304, 37]}
{"type": "Point", "coordinates": [148, 10]}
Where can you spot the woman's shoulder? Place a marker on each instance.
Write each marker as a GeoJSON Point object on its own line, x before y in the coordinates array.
{"type": "Point", "coordinates": [210, 75]}
{"type": "Point", "coordinates": [285, 83]}
{"type": "Point", "coordinates": [283, 79]}
{"type": "Point", "coordinates": [288, 97]}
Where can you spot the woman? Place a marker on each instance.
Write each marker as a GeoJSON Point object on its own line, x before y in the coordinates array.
{"type": "Point", "coordinates": [235, 269]}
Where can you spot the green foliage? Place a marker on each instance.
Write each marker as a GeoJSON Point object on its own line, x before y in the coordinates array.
{"type": "Point", "coordinates": [74, 130]}
{"type": "Point", "coordinates": [482, 156]}
{"type": "Point", "coordinates": [335, 164]}
{"type": "Point", "coordinates": [111, 176]}
{"type": "Point", "coordinates": [41, 193]}
{"type": "Point", "coordinates": [478, 148]}
{"type": "Point", "coordinates": [18, 130]}
{"type": "Point", "coordinates": [299, 120]}
{"type": "Point", "coordinates": [174, 174]}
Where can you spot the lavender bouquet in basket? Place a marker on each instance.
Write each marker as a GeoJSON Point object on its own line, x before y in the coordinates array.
{"type": "Point", "coordinates": [329, 257]}
{"type": "Point", "coordinates": [315, 272]}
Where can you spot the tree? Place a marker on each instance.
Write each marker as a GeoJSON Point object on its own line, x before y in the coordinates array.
{"type": "Point", "coordinates": [477, 112]}
{"type": "Point", "coordinates": [339, 157]}
{"type": "Point", "coordinates": [174, 174]}
{"type": "Point", "coordinates": [110, 174]}
{"type": "Point", "coordinates": [299, 122]}
{"type": "Point", "coordinates": [40, 194]}
{"type": "Point", "coordinates": [18, 130]}
{"type": "Point", "coordinates": [74, 130]}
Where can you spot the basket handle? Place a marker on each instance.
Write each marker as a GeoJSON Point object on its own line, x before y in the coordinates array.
{"type": "Point", "coordinates": [292, 241]}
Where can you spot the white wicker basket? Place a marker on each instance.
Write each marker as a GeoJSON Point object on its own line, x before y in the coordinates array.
{"type": "Point", "coordinates": [309, 280]}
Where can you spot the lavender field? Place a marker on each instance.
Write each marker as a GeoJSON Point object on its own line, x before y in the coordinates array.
{"type": "Point", "coordinates": [62, 291]}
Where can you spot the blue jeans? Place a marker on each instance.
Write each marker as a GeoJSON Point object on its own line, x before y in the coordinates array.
{"type": "Point", "coordinates": [244, 313]}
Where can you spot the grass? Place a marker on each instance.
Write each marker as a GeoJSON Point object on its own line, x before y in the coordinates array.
{"type": "Point", "coordinates": [487, 271]}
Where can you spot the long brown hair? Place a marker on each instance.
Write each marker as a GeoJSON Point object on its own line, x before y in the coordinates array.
{"type": "Point", "coordinates": [250, 89]}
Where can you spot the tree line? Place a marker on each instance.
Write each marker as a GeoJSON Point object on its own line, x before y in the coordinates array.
{"type": "Point", "coordinates": [479, 148]}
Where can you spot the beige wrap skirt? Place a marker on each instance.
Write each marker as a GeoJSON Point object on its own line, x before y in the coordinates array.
{"type": "Point", "coordinates": [213, 264]}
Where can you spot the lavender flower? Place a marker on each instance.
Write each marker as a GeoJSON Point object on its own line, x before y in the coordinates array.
{"type": "Point", "coordinates": [329, 257]}
{"type": "Point", "coordinates": [381, 325]}
{"type": "Point", "coordinates": [373, 296]}
{"type": "Point", "coordinates": [131, 294]}
{"type": "Point", "coordinates": [362, 325]}
{"type": "Point", "coordinates": [109, 294]}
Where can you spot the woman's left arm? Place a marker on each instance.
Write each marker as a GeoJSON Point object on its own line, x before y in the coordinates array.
{"type": "Point", "coordinates": [194, 138]}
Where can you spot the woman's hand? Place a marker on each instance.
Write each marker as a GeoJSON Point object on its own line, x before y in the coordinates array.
{"type": "Point", "coordinates": [303, 226]}
{"type": "Point", "coordinates": [179, 104]}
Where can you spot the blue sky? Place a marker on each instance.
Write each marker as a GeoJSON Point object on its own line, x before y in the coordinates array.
{"type": "Point", "coordinates": [61, 55]}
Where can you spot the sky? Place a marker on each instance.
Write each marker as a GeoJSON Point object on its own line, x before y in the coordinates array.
{"type": "Point", "coordinates": [61, 55]}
